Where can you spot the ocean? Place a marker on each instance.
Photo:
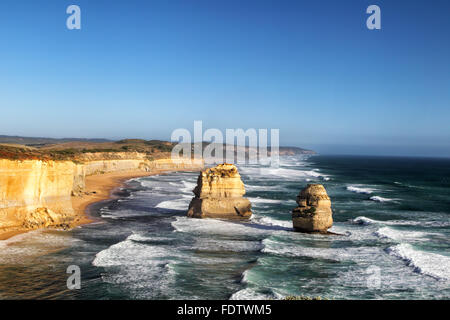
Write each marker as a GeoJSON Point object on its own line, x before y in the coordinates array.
{"type": "Point", "coordinates": [392, 214]}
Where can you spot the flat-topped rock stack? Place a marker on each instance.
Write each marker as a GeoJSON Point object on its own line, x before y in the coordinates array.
{"type": "Point", "coordinates": [219, 194]}
{"type": "Point", "coordinates": [313, 213]}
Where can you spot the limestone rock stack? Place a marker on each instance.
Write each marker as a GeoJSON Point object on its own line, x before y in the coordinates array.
{"type": "Point", "coordinates": [313, 213]}
{"type": "Point", "coordinates": [218, 194]}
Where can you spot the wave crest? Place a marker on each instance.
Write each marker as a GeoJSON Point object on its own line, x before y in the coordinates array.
{"type": "Point", "coordinates": [360, 189]}
{"type": "Point", "coordinates": [427, 263]}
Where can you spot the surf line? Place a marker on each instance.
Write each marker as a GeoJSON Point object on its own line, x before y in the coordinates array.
{"type": "Point", "coordinates": [201, 311]}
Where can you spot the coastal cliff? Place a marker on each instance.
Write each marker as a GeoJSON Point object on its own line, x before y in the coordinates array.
{"type": "Point", "coordinates": [36, 193]}
{"type": "Point", "coordinates": [39, 193]}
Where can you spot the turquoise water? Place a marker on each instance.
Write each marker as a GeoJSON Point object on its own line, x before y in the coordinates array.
{"type": "Point", "coordinates": [393, 215]}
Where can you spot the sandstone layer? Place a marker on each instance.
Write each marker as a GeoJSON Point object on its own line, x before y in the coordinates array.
{"type": "Point", "coordinates": [36, 194]}
{"type": "Point", "coordinates": [219, 194]}
{"type": "Point", "coordinates": [313, 213]}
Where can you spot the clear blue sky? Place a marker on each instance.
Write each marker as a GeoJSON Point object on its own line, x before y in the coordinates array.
{"type": "Point", "coordinates": [310, 68]}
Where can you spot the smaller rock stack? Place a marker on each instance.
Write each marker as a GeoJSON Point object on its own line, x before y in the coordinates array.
{"type": "Point", "coordinates": [218, 194]}
{"type": "Point", "coordinates": [313, 213]}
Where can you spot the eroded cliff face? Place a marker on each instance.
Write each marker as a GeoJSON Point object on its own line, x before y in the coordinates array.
{"type": "Point", "coordinates": [125, 161]}
{"type": "Point", "coordinates": [218, 194]}
{"type": "Point", "coordinates": [36, 194]}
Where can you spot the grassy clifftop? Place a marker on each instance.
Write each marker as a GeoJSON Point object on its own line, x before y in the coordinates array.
{"type": "Point", "coordinates": [78, 149]}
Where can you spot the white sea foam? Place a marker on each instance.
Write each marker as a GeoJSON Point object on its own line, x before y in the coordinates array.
{"type": "Point", "coordinates": [288, 174]}
{"type": "Point", "coordinates": [293, 164]}
{"type": "Point", "coordinates": [250, 187]}
{"type": "Point", "coordinates": [210, 244]}
{"type": "Point", "coordinates": [250, 294]}
{"type": "Point", "coordinates": [360, 189]}
{"type": "Point", "coordinates": [381, 199]}
{"type": "Point", "coordinates": [106, 213]}
{"type": "Point", "coordinates": [422, 223]}
{"type": "Point", "coordinates": [147, 183]}
{"type": "Point", "coordinates": [129, 253]}
{"type": "Point", "coordinates": [336, 254]}
{"type": "Point", "coordinates": [368, 221]}
{"type": "Point", "coordinates": [427, 263]}
{"type": "Point", "coordinates": [400, 235]}
{"type": "Point", "coordinates": [268, 221]}
{"type": "Point", "coordinates": [109, 216]}
{"type": "Point", "coordinates": [138, 180]}
{"type": "Point", "coordinates": [263, 200]}
{"type": "Point", "coordinates": [364, 221]}
{"type": "Point", "coordinates": [351, 232]}
{"type": "Point", "coordinates": [138, 266]}
{"type": "Point", "coordinates": [32, 244]}
{"type": "Point", "coordinates": [177, 204]}
{"type": "Point", "coordinates": [19, 238]}
{"type": "Point", "coordinates": [216, 227]}
{"type": "Point", "coordinates": [122, 213]}
{"type": "Point", "coordinates": [292, 161]}
{"type": "Point", "coordinates": [142, 261]}
{"type": "Point", "coordinates": [244, 276]}
{"type": "Point", "coordinates": [188, 187]}
{"type": "Point", "coordinates": [145, 238]}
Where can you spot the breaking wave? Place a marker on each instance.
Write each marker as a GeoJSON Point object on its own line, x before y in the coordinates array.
{"type": "Point", "coordinates": [364, 221]}
{"type": "Point", "coordinates": [380, 199]}
{"type": "Point", "coordinates": [368, 221]}
{"type": "Point", "coordinates": [268, 221]}
{"type": "Point", "coordinates": [215, 226]}
{"type": "Point", "coordinates": [334, 254]}
{"type": "Point", "coordinates": [250, 294]}
{"type": "Point", "coordinates": [360, 189]}
{"type": "Point", "coordinates": [177, 204]}
{"type": "Point", "coordinates": [400, 235]}
{"type": "Point", "coordinates": [427, 263]}
{"type": "Point", "coordinates": [288, 174]}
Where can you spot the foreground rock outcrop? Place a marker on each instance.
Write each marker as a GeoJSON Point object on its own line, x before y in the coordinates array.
{"type": "Point", "coordinates": [313, 213]}
{"type": "Point", "coordinates": [218, 194]}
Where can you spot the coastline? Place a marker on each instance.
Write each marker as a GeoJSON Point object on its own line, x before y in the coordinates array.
{"type": "Point", "coordinates": [98, 188]}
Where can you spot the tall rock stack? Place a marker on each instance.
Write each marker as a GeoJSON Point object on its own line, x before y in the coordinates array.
{"type": "Point", "coordinates": [218, 194]}
{"type": "Point", "coordinates": [313, 213]}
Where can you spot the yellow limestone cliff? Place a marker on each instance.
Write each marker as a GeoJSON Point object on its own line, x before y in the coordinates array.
{"type": "Point", "coordinates": [218, 194]}
{"type": "Point", "coordinates": [36, 193]}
